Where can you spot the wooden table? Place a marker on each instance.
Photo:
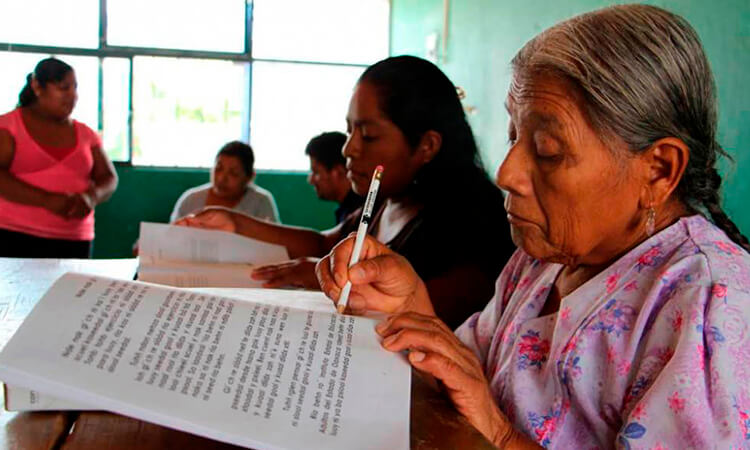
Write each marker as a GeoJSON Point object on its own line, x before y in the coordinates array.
{"type": "Point", "coordinates": [434, 422]}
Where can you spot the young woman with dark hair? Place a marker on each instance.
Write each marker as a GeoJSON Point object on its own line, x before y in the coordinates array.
{"type": "Point", "coordinates": [437, 205]}
{"type": "Point", "coordinates": [53, 171]}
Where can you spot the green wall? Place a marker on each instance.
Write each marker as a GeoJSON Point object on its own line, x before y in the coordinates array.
{"type": "Point", "coordinates": [149, 194]}
{"type": "Point", "coordinates": [484, 35]}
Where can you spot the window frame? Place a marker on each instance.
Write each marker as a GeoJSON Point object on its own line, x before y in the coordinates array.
{"type": "Point", "coordinates": [105, 50]}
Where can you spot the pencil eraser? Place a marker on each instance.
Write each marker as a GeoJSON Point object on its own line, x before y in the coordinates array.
{"type": "Point", "coordinates": [379, 168]}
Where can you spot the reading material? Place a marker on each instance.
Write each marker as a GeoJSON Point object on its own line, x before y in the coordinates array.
{"type": "Point", "coordinates": [246, 373]}
{"type": "Point", "coordinates": [193, 257]}
{"type": "Point", "coordinates": [22, 399]}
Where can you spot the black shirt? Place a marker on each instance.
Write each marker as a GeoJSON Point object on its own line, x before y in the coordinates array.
{"type": "Point", "coordinates": [351, 203]}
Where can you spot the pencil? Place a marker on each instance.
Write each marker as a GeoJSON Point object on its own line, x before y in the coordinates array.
{"type": "Point", "coordinates": [361, 233]}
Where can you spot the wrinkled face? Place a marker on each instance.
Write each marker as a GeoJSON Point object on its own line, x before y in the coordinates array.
{"type": "Point", "coordinates": [228, 177]}
{"type": "Point", "coordinates": [572, 196]}
{"type": "Point", "coordinates": [372, 140]}
{"type": "Point", "coordinates": [58, 98]}
{"type": "Point", "coordinates": [326, 181]}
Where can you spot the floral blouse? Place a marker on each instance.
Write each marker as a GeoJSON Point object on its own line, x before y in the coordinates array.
{"type": "Point", "coordinates": [652, 353]}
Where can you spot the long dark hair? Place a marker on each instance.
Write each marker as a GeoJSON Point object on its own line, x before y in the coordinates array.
{"type": "Point", "coordinates": [49, 70]}
{"type": "Point", "coordinates": [417, 97]}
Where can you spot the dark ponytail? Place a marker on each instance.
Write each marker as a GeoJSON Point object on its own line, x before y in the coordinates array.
{"type": "Point", "coordinates": [27, 96]}
{"type": "Point", "coordinates": [701, 187]}
{"type": "Point", "coordinates": [49, 70]}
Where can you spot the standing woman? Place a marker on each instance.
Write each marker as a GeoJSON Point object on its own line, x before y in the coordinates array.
{"type": "Point", "coordinates": [53, 171]}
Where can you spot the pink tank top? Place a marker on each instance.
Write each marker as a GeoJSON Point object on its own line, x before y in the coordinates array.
{"type": "Point", "coordinates": [37, 167]}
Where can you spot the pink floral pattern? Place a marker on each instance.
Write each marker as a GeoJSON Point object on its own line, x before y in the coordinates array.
{"type": "Point", "coordinates": [636, 357]}
{"type": "Point", "coordinates": [532, 350]}
{"type": "Point", "coordinates": [676, 403]}
{"type": "Point", "coordinates": [612, 282]}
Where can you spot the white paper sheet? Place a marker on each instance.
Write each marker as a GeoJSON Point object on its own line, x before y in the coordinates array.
{"type": "Point", "coordinates": [163, 243]}
{"type": "Point", "coordinates": [267, 377]}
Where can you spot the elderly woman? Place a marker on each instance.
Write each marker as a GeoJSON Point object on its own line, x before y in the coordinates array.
{"type": "Point", "coordinates": [622, 320]}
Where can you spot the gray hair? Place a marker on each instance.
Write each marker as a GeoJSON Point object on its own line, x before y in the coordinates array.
{"type": "Point", "coordinates": [644, 76]}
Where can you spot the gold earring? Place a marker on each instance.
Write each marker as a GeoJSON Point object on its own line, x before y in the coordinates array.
{"type": "Point", "coordinates": [650, 221]}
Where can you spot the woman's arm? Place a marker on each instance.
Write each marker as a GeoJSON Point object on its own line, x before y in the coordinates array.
{"type": "Point", "coordinates": [103, 177]}
{"type": "Point", "coordinates": [17, 191]}
{"type": "Point", "coordinates": [102, 183]}
{"type": "Point", "coordinates": [298, 241]}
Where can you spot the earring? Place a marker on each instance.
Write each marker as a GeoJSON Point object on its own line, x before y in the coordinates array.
{"type": "Point", "coordinates": [650, 221]}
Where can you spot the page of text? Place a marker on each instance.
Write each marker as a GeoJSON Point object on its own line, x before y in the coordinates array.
{"type": "Point", "coordinates": [251, 374]}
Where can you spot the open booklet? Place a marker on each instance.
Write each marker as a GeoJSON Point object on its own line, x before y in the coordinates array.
{"type": "Point", "coordinates": [247, 373]}
{"type": "Point", "coordinates": [194, 257]}
{"type": "Point", "coordinates": [21, 399]}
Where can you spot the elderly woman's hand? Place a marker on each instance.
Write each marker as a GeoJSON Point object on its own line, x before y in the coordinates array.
{"type": "Point", "coordinates": [210, 218]}
{"type": "Point", "coordinates": [382, 280]}
{"type": "Point", "coordinates": [434, 349]}
{"type": "Point", "coordinates": [298, 272]}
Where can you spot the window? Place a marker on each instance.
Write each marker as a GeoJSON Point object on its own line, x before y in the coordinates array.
{"type": "Point", "coordinates": [336, 31]}
{"type": "Point", "coordinates": [178, 24]}
{"type": "Point", "coordinates": [115, 108]}
{"type": "Point", "coordinates": [185, 109]}
{"type": "Point", "coordinates": [50, 22]}
{"type": "Point", "coordinates": [167, 83]}
{"type": "Point", "coordinates": [282, 124]}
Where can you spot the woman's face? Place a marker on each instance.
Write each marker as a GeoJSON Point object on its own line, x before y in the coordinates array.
{"type": "Point", "coordinates": [228, 177]}
{"type": "Point", "coordinates": [573, 197]}
{"type": "Point", "coordinates": [58, 98]}
{"type": "Point", "coordinates": [374, 140]}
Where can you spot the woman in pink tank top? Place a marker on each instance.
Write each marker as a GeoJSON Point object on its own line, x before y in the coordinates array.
{"type": "Point", "coordinates": [53, 171]}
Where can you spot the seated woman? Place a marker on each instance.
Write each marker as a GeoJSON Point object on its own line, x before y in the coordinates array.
{"type": "Point", "coordinates": [623, 319]}
{"type": "Point", "coordinates": [53, 171]}
{"type": "Point", "coordinates": [231, 186]}
{"type": "Point", "coordinates": [437, 207]}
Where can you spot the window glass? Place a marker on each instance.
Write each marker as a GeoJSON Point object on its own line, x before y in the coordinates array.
{"type": "Point", "coordinates": [115, 82]}
{"type": "Point", "coordinates": [342, 31]}
{"type": "Point", "coordinates": [87, 76]}
{"type": "Point", "coordinates": [50, 22]}
{"type": "Point", "coordinates": [184, 110]}
{"type": "Point", "coordinates": [291, 103]}
{"type": "Point", "coordinates": [217, 25]}
{"type": "Point", "coordinates": [16, 66]}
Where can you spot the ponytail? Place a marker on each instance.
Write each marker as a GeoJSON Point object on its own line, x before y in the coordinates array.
{"type": "Point", "coordinates": [710, 200]}
{"type": "Point", "coordinates": [27, 96]}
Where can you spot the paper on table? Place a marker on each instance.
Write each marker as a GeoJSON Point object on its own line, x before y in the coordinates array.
{"type": "Point", "coordinates": [160, 243]}
{"type": "Point", "coordinates": [249, 374]}
{"type": "Point", "coordinates": [21, 399]}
